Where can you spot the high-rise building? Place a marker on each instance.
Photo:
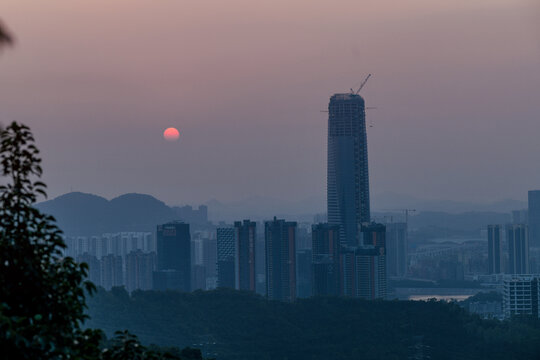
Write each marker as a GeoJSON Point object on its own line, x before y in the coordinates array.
{"type": "Point", "coordinates": [347, 271]}
{"type": "Point", "coordinates": [174, 252]}
{"type": "Point", "coordinates": [374, 234]}
{"type": "Point", "coordinates": [112, 273]}
{"type": "Point", "coordinates": [534, 218]}
{"type": "Point", "coordinates": [494, 249]}
{"type": "Point", "coordinates": [347, 173]}
{"type": "Point", "coordinates": [226, 257]}
{"type": "Point", "coordinates": [139, 270]}
{"type": "Point", "coordinates": [396, 249]}
{"type": "Point", "coordinates": [260, 262]}
{"type": "Point", "coordinates": [210, 261]}
{"type": "Point", "coordinates": [149, 245]}
{"type": "Point", "coordinates": [303, 238]}
{"type": "Point", "coordinates": [198, 277]}
{"type": "Point", "coordinates": [370, 273]}
{"type": "Point", "coordinates": [363, 268]}
{"type": "Point", "coordinates": [371, 262]}
{"type": "Point", "coordinates": [521, 295]}
{"type": "Point", "coordinates": [304, 273]}
{"type": "Point", "coordinates": [93, 245]}
{"type": "Point", "coordinates": [363, 272]}
{"type": "Point", "coordinates": [325, 259]}
{"type": "Point", "coordinates": [245, 272]}
{"type": "Point", "coordinates": [83, 245]}
{"type": "Point", "coordinates": [116, 247]}
{"type": "Point", "coordinates": [119, 244]}
{"type": "Point", "coordinates": [518, 249]}
{"type": "Point", "coordinates": [103, 246]}
{"type": "Point", "coordinates": [280, 240]}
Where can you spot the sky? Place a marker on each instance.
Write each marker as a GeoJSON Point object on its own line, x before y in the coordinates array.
{"type": "Point", "coordinates": [456, 86]}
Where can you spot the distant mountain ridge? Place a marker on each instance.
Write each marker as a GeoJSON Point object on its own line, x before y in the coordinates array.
{"type": "Point", "coordinates": [79, 213]}
{"type": "Point", "coordinates": [85, 214]}
{"type": "Point", "coordinates": [388, 200]}
{"type": "Point", "coordinates": [260, 208]}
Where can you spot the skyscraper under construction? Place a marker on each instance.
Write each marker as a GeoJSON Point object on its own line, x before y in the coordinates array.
{"type": "Point", "coordinates": [347, 177]}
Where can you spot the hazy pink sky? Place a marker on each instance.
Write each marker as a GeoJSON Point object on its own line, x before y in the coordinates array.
{"type": "Point", "coordinates": [456, 85]}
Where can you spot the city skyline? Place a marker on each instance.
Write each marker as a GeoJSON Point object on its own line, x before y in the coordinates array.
{"type": "Point", "coordinates": [203, 201]}
{"type": "Point", "coordinates": [443, 112]}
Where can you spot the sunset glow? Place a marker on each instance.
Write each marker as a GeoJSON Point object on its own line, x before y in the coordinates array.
{"type": "Point", "coordinates": [171, 134]}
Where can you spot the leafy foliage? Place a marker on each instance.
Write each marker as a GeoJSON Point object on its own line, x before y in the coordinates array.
{"type": "Point", "coordinates": [491, 296]}
{"type": "Point", "coordinates": [42, 294]}
{"type": "Point", "coordinates": [126, 346]}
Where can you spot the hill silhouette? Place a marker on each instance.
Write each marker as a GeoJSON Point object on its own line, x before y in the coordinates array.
{"type": "Point", "coordinates": [81, 214]}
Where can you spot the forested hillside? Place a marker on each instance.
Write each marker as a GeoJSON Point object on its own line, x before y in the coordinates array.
{"type": "Point", "coordinates": [236, 325]}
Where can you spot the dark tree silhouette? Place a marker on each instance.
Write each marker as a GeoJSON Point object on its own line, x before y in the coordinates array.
{"type": "Point", "coordinates": [42, 293]}
{"type": "Point", "coordinates": [5, 36]}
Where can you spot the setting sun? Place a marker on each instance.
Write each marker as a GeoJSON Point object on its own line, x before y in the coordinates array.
{"type": "Point", "coordinates": [171, 134]}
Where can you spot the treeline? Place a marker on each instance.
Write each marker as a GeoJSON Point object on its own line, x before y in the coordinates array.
{"type": "Point", "coordinates": [228, 324]}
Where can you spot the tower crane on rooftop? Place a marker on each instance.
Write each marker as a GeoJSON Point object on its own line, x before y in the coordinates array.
{"type": "Point", "coordinates": [361, 85]}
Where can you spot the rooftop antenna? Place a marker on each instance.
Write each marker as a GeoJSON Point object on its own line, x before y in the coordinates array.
{"type": "Point", "coordinates": [361, 85]}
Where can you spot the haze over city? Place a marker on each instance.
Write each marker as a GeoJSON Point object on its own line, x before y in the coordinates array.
{"type": "Point", "coordinates": [455, 86]}
{"type": "Point", "coordinates": [254, 180]}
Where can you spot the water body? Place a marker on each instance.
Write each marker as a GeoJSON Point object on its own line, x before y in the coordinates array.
{"type": "Point", "coordinates": [446, 294]}
{"type": "Point", "coordinates": [439, 297]}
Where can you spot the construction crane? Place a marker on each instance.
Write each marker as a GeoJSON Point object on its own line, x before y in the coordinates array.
{"type": "Point", "coordinates": [361, 85]}
{"type": "Point", "coordinates": [356, 93]}
{"type": "Point", "coordinates": [405, 211]}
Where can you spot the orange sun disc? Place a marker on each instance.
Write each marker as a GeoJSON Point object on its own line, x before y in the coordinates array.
{"type": "Point", "coordinates": [171, 134]}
